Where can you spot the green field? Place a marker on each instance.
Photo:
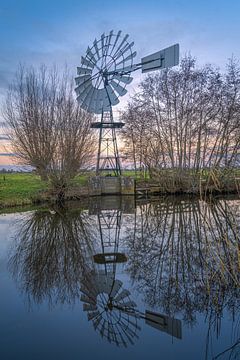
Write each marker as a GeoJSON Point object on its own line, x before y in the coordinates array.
{"type": "Point", "coordinates": [19, 189]}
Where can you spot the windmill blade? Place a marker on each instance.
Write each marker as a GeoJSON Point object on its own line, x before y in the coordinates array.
{"type": "Point", "coordinates": [91, 56]}
{"type": "Point", "coordinates": [108, 282]}
{"type": "Point", "coordinates": [129, 57]}
{"type": "Point", "coordinates": [87, 299]}
{"type": "Point", "coordinates": [86, 290]}
{"type": "Point", "coordinates": [103, 44]}
{"type": "Point", "coordinates": [87, 96]}
{"type": "Point", "coordinates": [102, 328]}
{"type": "Point", "coordinates": [119, 89]}
{"type": "Point", "coordinates": [106, 50]}
{"type": "Point", "coordinates": [116, 40]}
{"type": "Point", "coordinates": [89, 307]}
{"type": "Point", "coordinates": [83, 71]}
{"type": "Point", "coordinates": [80, 89]}
{"type": "Point", "coordinates": [111, 334]}
{"type": "Point", "coordinates": [116, 287]}
{"type": "Point", "coordinates": [112, 96]}
{"type": "Point", "coordinates": [95, 44]}
{"type": "Point", "coordinates": [96, 104]}
{"type": "Point", "coordinates": [122, 51]}
{"type": "Point", "coordinates": [100, 91]}
{"type": "Point", "coordinates": [80, 80]}
{"type": "Point", "coordinates": [130, 331]}
{"type": "Point", "coordinates": [122, 339]}
{"type": "Point", "coordinates": [93, 315]}
{"type": "Point", "coordinates": [110, 37]}
{"type": "Point", "coordinates": [134, 324]}
{"type": "Point", "coordinates": [108, 43]}
{"type": "Point", "coordinates": [104, 103]}
{"type": "Point", "coordinates": [121, 44]}
{"type": "Point", "coordinates": [122, 295]}
{"type": "Point", "coordinates": [83, 90]}
{"type": "Point", "coordinates": [99, 279]}
{"type": "Point", "coordinates": [105, 64]}
{"type": "Point", "coordinates": [86, 62]}
{"type": "Point", "coordinates": [123, 78]}
{"type": "Point", "coordinates": [129, 304]}
{"type": "Point", "coordinates": [96, 322]}
{"type": "Point", "coordinates": [129, 337]}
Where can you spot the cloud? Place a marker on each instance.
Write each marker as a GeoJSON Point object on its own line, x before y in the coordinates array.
{"type": "Point", "coordinates": [4, 137]}
{"type": "Point", "coordinates": [7, 154]}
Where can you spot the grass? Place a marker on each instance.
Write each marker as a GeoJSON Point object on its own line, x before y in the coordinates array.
{"type": "Point", "coordinates": [19, 189]}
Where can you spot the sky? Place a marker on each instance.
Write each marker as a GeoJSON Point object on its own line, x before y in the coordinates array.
{"type": "Point", "coordinates": [33, 32]}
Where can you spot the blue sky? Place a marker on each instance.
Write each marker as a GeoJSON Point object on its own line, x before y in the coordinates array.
{"type": "Point", "coordinates": [36, 32]}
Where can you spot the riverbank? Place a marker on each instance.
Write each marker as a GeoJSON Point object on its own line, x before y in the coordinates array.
{"type": "Point", "coordinates": [20, 189]}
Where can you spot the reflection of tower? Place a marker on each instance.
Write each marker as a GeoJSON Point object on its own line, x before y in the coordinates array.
{"type": "Point", "coordinates": [103, 295]}
{"type": "Point", "coordinates": [109, 306]}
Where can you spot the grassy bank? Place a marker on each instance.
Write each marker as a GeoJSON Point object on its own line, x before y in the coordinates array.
{"type": "Point", "coordinates": [19, 189]}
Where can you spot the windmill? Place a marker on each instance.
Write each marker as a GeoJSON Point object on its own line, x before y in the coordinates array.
{"type": "Point", "coordinates": [108, 304]}
{"type": "Point", "coordinates": [102, 78]}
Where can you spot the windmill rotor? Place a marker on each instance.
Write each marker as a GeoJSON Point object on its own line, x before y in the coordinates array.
{"type": "Point", "coordinates": [104, 300]}
{"type": "Point", "coordinates": [99, 85]}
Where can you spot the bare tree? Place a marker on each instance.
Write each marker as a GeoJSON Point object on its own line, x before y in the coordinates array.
{"type": "Point", "coordinates": [49, 130]}
{"type": "Point", "coordinates": [186, 119]}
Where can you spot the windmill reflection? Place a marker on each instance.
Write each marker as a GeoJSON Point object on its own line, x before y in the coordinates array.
{"type": "Point", "coordinates": [182, 255]}
{"type": "Point", "coordinates": [103, 294]}
{"type": "Point", "coordinates": [109, 305]}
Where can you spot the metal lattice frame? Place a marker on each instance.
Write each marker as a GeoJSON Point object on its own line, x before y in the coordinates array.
{"type": "Point", "coordinates": [108, 159]}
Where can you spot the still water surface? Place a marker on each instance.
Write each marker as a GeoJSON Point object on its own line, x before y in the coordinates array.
{"type": "Point", "coordinates": [121, 279]}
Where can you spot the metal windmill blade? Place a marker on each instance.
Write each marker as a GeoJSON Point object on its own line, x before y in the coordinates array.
{"type": "Point", "coordinates": [97, 91]}
{"type": "Point", "coordinates": [99, 291]}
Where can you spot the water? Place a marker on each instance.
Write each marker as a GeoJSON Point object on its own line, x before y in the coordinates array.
{"type": "Point", "coordinates": [123, 280]}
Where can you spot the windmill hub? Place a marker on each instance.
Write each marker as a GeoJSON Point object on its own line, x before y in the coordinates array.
{"type": "Point", "coordinates": [100, 72]}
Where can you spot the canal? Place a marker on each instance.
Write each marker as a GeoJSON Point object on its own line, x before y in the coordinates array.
{"type": "Point", "coordinates": [120, 278]}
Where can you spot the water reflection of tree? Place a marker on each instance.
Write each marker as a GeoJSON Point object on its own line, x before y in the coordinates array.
{"type": "Point", "coordinates": [184, 256]}
{"type": "Point", "coordinates": [51, 253]}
